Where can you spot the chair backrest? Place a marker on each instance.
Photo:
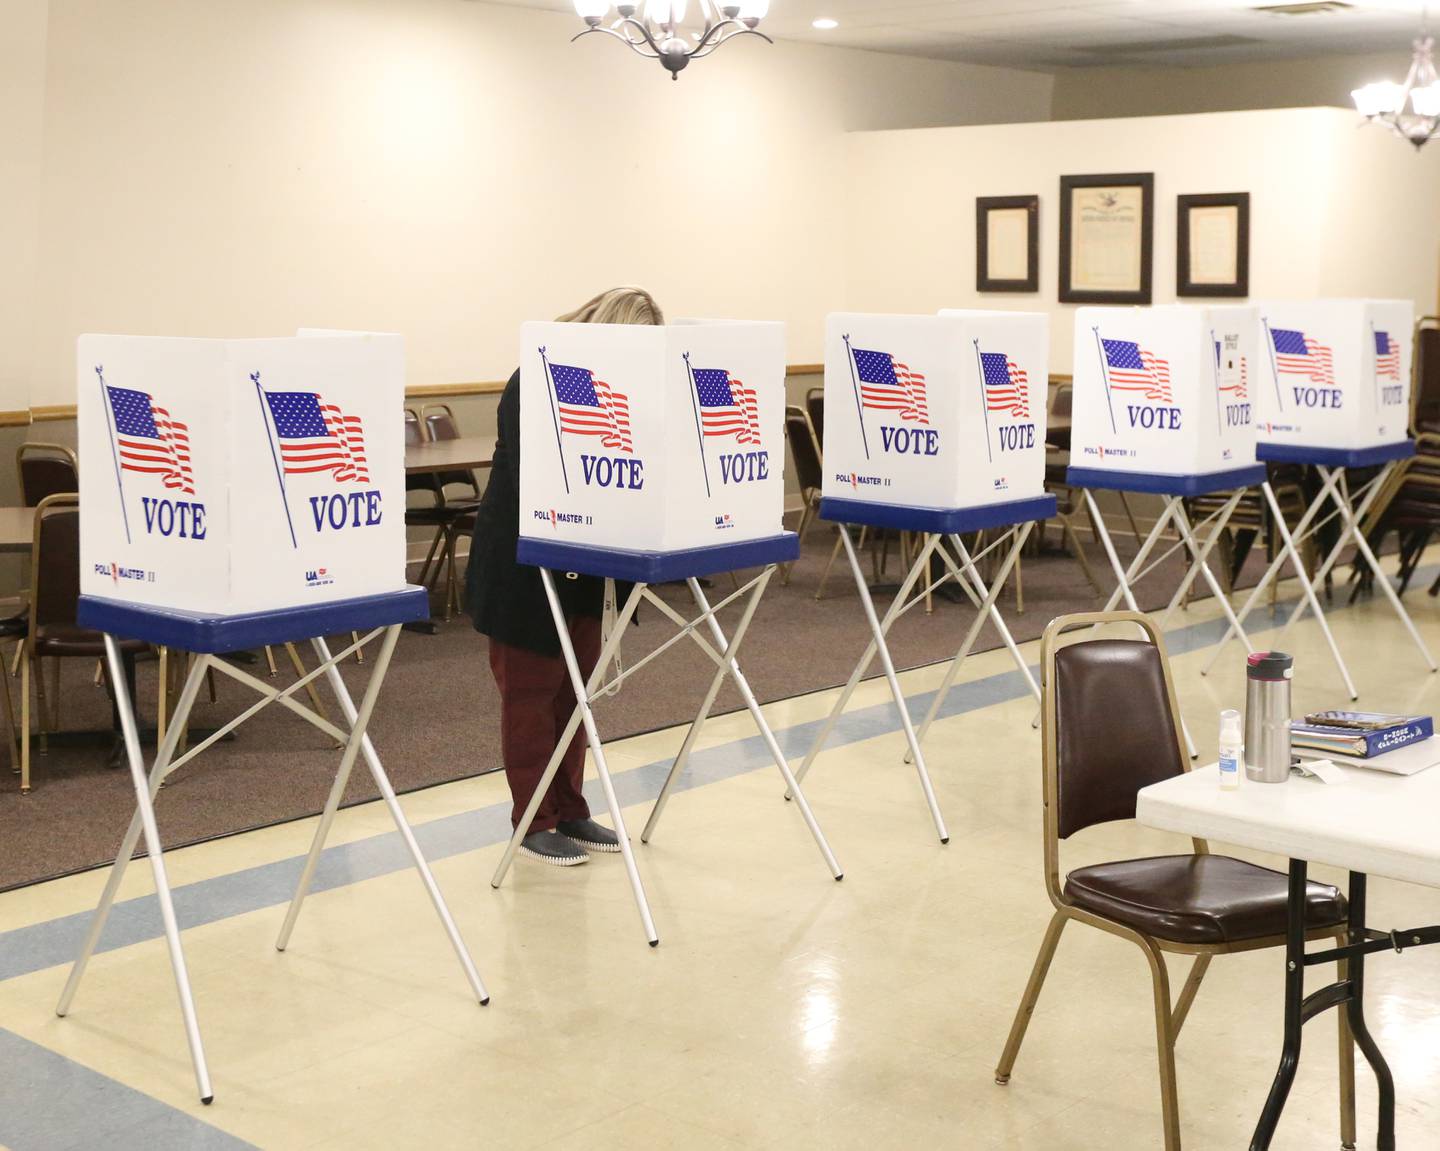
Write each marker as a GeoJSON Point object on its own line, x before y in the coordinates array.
{"type": "Point", "coordinates": [815, 409]}
{"type": "Point", "coordinates": [414, 430]}
{"type": "Point", "coordinates": [803, 449]}
{"type": "Point", "coordinates": [440, 425]}
{"type": "Point", "coordinates": [45, 470]}
{"type": "Point", "coordinates": [1426, 381]}
{"type": "Point", "coordinates": [415, 434]}
{"type": "Point", "coordinates": [1062, 401]}
{"type": "Point", "coordinates": [55, 561]}
{"type": "Point", "coordinates": [1111, 726]}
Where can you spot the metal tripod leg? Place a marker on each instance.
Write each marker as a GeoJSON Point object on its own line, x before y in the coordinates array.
{"type": "Point", "coordinates": [337, 788]}
{"type": "Point", "coordinates": [765, 733]}
{"type": "Point", "coordinates": [987, 608]}
{"type": "Point", "coordinates": [157, 861]}
{"type": "Point", "coordinates": [158, 772]}
{"type": "Point", "coordinates": [878, 645]}
{"type": "Point", "coordinates": [1291, 551]}
{"type": "Point", "coordinates": [402, 825]}
{"type": "Point", "coordinates": [608, 648]}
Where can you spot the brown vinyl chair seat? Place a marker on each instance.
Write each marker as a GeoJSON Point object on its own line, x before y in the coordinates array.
{"type": "Point", "coordinates": [65, 639]}
{"type": "Point", "coordinates": [1198, 900]}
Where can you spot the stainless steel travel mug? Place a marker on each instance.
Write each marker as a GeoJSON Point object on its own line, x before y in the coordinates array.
{"type": "Point", "coordinates": [1267, 716]}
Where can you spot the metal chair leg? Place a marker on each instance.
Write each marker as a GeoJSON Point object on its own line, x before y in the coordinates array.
{"type": "Point", "coordinates": [300, 671]}
{"type": "Point", "coordinates": [1030, 997]}
{"type": "Point", "coordinates": [1165, 1044]}
{"type": "Point", "coordinates": [270, 662]}
{"type": "Point", "coordinates": [25, 725]}
{"type": "Point", "coordinates": [359, 651]}
{"type": "Point", "coordinates": [12, 729]}
{"type": "Point", "coordinates": [162, 695]}
{"type": "Point", "coordinates": [830, 563]}
{"type": "Point", "coordinates": [800, 529]}
{"type": "Point", "coordinates": [430, 555]}
{"type": "Point", "coordinates": [1188, 993]}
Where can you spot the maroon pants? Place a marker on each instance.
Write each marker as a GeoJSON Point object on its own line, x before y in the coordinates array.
{"type": "Point", "coordinates": [536, 700]}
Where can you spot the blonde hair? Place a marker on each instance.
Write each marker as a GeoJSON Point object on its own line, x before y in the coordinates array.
{"type": "Point", "coordinates": [617, 306]}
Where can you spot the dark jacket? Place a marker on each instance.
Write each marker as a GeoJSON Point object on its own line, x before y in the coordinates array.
{"type": "Point", "coordinates": [506, 599]}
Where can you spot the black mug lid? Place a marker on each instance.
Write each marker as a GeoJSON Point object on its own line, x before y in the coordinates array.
{"type": "Point", "coordinates": [1269, 665]}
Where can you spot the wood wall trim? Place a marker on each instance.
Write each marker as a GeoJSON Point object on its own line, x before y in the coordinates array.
{"type": "Point", "coordinates": [432, 391]}
{"type": "Point", "coordinates": [416, 392]}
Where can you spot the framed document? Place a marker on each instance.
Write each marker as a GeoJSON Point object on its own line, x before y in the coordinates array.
{"type": "Point", "coordinates": [1007, 249]}
{"type": "Point", "coordinates": [1106, 238]}
{"type": "Point", "coordinates": [1213, 237]}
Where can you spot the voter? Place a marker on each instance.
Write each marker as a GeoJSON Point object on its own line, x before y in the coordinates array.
{"type": "Point", "coordinates": [506, 600]}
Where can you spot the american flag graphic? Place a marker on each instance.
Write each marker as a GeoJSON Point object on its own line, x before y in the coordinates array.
{"type": "Point", "coordinates": [1241, 388]}
{"type": "Point", "coordinates": [1007, 386]}
{"type": "Point", "coordinates": [1387, 356]}
{"type": "Point", "coordinates": [150, 440]}
{"type": "Point", "coordinates": [1296, 354]}
{"type": "Point", "coordinates": [889, 386]}
{"type": "Point", "coordinates": [591, 407]}
{"type": "Point", "coordinates": [1136, 369]}
{"type": "Point", "coordinates": [727, 406]}
{"type": "Point", "coordinates": [318, 437]}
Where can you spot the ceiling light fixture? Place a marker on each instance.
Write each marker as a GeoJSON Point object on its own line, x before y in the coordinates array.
{"type": "Point", "coordinates": [824, 23]}
{"type": "Point", "coordinates": [1385, 102]}
{"type": "Point", "coordinates": [660, 33]}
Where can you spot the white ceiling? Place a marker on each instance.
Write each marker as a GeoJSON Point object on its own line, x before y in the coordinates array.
{"type": "Point", "coordinates": [1049, 34]}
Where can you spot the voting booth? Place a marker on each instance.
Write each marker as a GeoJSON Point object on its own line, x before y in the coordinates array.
{"type": "Point", "coordinates": [1335, 396]}
{"type": "Point", "coordinates": [1166, 390]}
{"type": "Point", "coordinates": [944, 411]}
{"type": "Point", "coordinates": [654, 454]}
{"type": "Point", "coordinates": [236, 494]}
{"type": "Point", "coordinates": [652, 439]}
{"type": "Point", "coordinates": [1336, 373]}
{"type": "Point", "coordinates": [934, 425]}
{"type": "Point", "coordinates": [230, 476]}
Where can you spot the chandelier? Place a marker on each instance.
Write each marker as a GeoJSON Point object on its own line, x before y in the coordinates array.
{"type": "Point", "coordinates": [661, 32]}
{"type": "Point", "coordinates": [1411, 110]}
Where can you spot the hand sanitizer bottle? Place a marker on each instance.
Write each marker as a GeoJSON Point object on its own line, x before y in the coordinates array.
{"type": "Point", "coordinates": [1230, 750]}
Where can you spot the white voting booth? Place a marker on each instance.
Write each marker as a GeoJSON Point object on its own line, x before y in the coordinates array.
{"type": "Point", "coordinates": [652, 454]}
{"type": "Point", "coordinates": [234, 494]}
{"type": "Point", "coordinates": [1336, 373]}
{"type": "Point", "coordinates": [934, 425]}
{"type": "Point", "coordinates": [230, 476]}
{"type": "Point", "coordinates": [1164, 404]}
{"type": "Point", "coordinates": [1335, 395]}
{"type": "Point", "coordinates": [656, 439]}
{"type": "Point", "coordinates": [1164, 391]}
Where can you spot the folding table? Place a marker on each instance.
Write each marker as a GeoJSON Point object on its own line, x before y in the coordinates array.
{"type": "Point", "coordinates": [1331, 463]}
{"type": "Point", "coordinates": [208, 635]}
{"type": "Point", "coordinates": [1017, 516]}
{"type": "Point", "coordinates": [1369, 823]}
{"type": "Point", "coordinates": [642, 569]}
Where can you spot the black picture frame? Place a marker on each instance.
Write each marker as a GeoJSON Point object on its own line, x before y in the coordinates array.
{"type": "Point", "coordinates": [1069, 185]}
{"type": "Point", "coordinates": [1184, 284]}
{"type": "Point", "coordinates": [984, 281]}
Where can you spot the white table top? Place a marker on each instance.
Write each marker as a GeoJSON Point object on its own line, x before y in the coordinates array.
{"type": "Point", "coordinates": [1371, 822]}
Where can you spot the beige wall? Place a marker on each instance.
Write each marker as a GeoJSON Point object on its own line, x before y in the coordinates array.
{"type": "Point", "coordinates": [1092, 93]}
{"type": "Point", "coordinates": [1335, 211]}
{"type": "Point", "coordinates": [22, 85]}
{"type": "Point", "coordinates": [441, 169]}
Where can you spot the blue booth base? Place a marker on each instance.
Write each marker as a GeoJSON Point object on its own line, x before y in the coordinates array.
{"type": "Point", "coordinates": [937, 521]}
{"type": "Point", "coordinates": [1334, 457]}
{"type": "Point", "coordinates": [657, 567]}
{"type": "Point", "coordinates": [206, 633]}
{"type": "Point", "coordinates": [1165, 484]}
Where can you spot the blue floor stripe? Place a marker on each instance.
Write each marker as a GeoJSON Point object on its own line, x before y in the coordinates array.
{"type": "Point", "coordinates": [50, 1103]}
{"type": "Point", "coordinates": [42, 945]}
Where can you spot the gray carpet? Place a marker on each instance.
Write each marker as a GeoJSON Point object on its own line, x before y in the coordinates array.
{"type": "Point", "coordinates": [438, 718]}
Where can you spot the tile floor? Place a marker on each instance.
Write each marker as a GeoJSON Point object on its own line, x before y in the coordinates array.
{"type": "Point", "coordinates": [782, 1009]}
